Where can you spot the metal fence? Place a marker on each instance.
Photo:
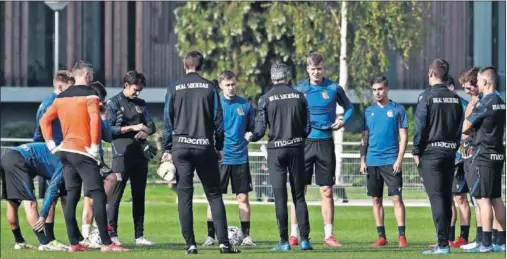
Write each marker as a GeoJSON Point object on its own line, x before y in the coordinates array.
{"type": "Point", "coordinates": [352, 187]}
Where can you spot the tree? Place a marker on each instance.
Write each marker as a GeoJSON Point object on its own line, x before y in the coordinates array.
{"type": "Point", "coordinates": [247, 37]}
{"type": "Point", "coordinates": [343, 81]}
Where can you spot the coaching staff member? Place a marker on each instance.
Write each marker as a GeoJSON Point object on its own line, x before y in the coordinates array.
{"type": "Point", "coordinates": [437, 134]}
{"type": "Point", "coordinates": [130, 123]}
{"type": "Point", "coordinates": [193, 140]}
{"type": "Point", "coordinates": [286, 112]}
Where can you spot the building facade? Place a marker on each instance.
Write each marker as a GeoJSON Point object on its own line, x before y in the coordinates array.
{"type": "Point", "coordinates": [118, 36]}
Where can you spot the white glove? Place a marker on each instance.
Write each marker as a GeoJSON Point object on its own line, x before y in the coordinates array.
{"type": "Point", "coordinates": [93, 150]}
{"type": "Point", "coordinates": [51, 145]}
{"type": "Point", "coordinates": [248, 136]}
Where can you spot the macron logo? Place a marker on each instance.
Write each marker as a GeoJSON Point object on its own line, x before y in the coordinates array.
{"type": "Point", "coordinates": [283, 143]}
{"type": "Point", "coordinates": [496, 157]}
{"type": "Point", "coordinates": [194, 141]}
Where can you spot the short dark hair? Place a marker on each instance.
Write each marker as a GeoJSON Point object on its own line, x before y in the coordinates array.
{"type": "Point", "coordinates": [226, 75]}
{"type": "Point", "coordinates": [100, 89]}
{"type": "Point", "coordinates": [194, 60]}
{"type": "Point", "coordinates": [440, 68]}
{"type": "Point", "coordinates": [380, 80]}
{"type": "Point", "coordinates": [314, 58]}
{"type": "Point", "coordinates": [487, 69]}
{"type": "Point", "coordinates": [450, 81]}
{"type": "Point", "coordinates": [80, 66]}
{"type": "Point", "coordinates": [469, 76]}
{"type": "Point", "coordinates": [134, 78]}
{"type": "Point", "coordinates": [490, 72]}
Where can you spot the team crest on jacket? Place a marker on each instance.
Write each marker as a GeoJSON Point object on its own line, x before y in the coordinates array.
{"type": "Point", "coordinates": [240, 111]}
{"type": "Point", "coordinates": [138, 109]}
{"type": "Point", "coordinates": [325, 95]}
{"type": "Point", "coordinates": [390, 113]}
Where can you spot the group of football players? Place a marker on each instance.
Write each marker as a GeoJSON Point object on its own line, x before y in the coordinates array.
{"type": "Point", "coordinates": [73, 121]}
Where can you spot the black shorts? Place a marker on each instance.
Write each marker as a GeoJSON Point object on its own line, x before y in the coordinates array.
{"type": "Point", "coordinates": [17, 178]}
{"type": "Point", "coordinates": [459, 184]}
{"type": "Point", "coordinates": [241, 179]}
{"type": "Point", "coordinates": [80, 170]}
{"type": "Point", "coordinates": [43, 187]}
{"type": "Point", "coordinates": [376, 177]}
{"type": "Point", "coordinates": [487, 181]}
{"type": "Point", "coordinates": [319, 155]}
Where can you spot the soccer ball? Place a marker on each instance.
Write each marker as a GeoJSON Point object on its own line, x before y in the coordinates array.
{"type": "Point", "coordinates": [167, 171]}
{"type": "Point", "coordinates": [235, 235]}
{"type": "Point", "coordinates": [94, 237]}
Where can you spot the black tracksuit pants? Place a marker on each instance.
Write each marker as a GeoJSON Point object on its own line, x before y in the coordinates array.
{"type": "Point", "coordinates": [133, 166]}
{"type": "Point", "coordinates": [281, 160]}
{"type": "Point", "coordinates": [205, 163]}
{"type": "Point", "coordinates": [437, 174]}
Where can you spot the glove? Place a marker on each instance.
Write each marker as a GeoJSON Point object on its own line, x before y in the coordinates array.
{"type": "Point", "coordinates": [51, 145]}
{"type": "Point", "coordinates": [93, 151]}
{"type": "Point", "coordinates": [149, 150]}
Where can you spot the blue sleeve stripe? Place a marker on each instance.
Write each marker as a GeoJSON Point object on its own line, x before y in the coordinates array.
{"type": "Point", "coordinates": [168, 127]}
{"type": "Point", "coordinates": [215, 103]}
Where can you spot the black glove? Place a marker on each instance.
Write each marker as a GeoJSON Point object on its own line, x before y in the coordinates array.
{"type": "Point", "coordinates": [149, 150]}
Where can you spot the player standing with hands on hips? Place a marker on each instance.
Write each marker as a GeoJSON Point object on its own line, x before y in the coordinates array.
{"type": "Point", "coordinates": [437, 135]}
{"type": "Point", "coordinates": [285, 110]}
{"type": "Point", "coordinates": [193, 140]}
{"type": "Point", "coordinates": [383, 145]}
{"type": "Point", "coordinates": [322, 96]}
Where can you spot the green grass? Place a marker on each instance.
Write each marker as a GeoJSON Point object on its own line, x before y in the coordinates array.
{"type": "Point", "coordinates": [354, 227]}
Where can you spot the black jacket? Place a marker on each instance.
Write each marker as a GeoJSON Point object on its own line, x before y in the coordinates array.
{"type": "Point", "coordinates": [123, 111]}
{"type": "Point", "coordinates": [193, 114]}
{"type": "Point", "coordinates": [286, 112]}
{"type": "Point", "coordinates": [438, 122]}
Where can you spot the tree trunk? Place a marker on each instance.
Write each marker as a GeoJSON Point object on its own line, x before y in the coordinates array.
{"type": "Point", "coordinates": [343, 80]}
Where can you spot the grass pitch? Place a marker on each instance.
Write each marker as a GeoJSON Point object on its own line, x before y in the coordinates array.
{"type": "Point", "coordinates": [354, 227]}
